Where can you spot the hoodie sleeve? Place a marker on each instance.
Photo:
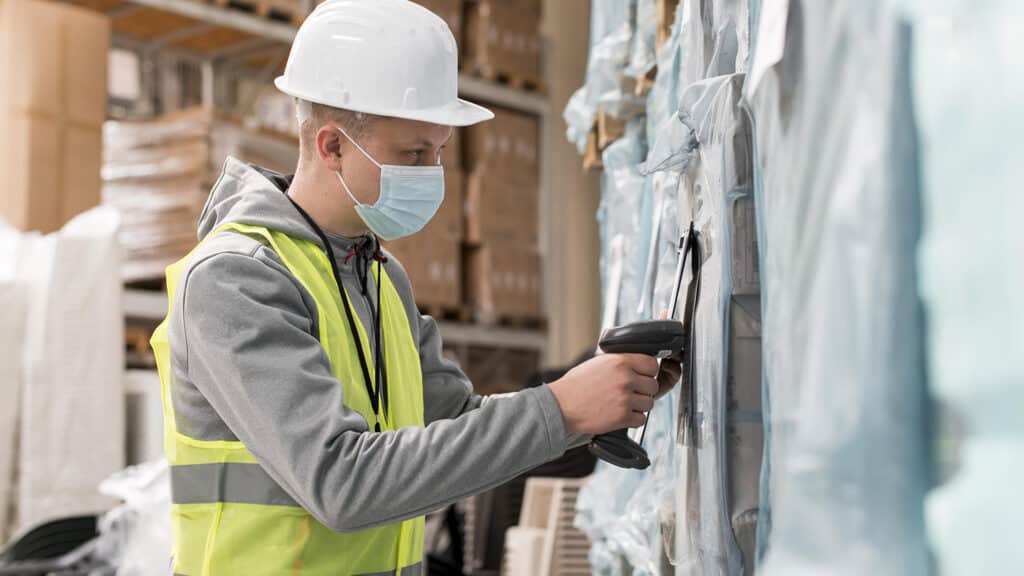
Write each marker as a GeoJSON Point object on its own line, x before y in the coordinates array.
{"type": "Point", "coordinates": [447, 392]}
{"type": "Point", "coordinates": [250, 352]}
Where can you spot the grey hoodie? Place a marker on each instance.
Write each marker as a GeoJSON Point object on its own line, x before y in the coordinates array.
{"type": "Point", "coordinates": [247, 365]}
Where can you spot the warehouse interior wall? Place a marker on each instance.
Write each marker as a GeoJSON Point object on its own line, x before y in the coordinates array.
{"type": "Point", "coordinates": [572, 252]}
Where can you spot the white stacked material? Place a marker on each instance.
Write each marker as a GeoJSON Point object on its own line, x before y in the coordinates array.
{"type": "Point", "coordinates": [546, 542]}
{"type": "Point", "coordinates": [12, 337]}
{"type": "Point", "coordinates": [70, 423]}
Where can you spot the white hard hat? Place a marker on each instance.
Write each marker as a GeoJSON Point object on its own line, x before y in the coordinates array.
{"type": "Point", "coordinates": [385, 57]}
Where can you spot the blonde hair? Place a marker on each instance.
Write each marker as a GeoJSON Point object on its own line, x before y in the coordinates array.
{"type": "Point", "coordinates": [312, 116]}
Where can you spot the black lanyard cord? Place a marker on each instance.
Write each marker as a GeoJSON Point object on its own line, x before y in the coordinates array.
{"type": "Point", "coordinates": [374, 394]}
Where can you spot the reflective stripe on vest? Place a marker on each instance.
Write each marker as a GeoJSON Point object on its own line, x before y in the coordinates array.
{"type": "Point", "coordinates": [228, 515]}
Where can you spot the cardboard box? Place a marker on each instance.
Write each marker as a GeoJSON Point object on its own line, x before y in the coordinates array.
{"type": "Point", "coordinates": [503, 281]}
{"type": "Point", "coordinates": [433, 257]}
{"type": "Point", "coordinates": [503, 39]}
{"type": "Point", "coordinates": [53, 111]}
{"type": "Point", "coordinates": [507, 147]}
{"type": "Point", "coordinates": [497, 210]}
{"type": "Point", "coordinates": [159, 172]}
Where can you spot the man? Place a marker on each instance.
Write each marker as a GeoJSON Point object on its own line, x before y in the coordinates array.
{"type": "Point", "coordinates": [309, 428]}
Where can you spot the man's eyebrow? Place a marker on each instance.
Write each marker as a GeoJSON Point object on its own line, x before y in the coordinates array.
{"type": "Point", "coordinates": [424, 143]}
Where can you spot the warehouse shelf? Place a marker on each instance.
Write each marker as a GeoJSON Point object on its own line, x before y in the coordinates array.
{"type": "Point", "coordinates": [202, 36]}
{"type": "Point", "coordinates": [151, 305]}
{"type": "Point", "coordinates": [144, 304]}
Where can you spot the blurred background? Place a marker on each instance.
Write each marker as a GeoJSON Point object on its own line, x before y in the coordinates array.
{"type": "Point", "coordinates": [844, 176]}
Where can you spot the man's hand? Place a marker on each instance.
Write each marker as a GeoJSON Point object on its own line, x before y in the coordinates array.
{"type": "Point", "coordinates": [669, 375]}
{"type": "Point", "coordinates": [609, 392]}
{"type": "Point", "coordinates": [671, 368]}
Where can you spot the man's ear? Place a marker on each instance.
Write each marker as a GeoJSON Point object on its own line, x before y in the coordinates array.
{"type": "Point", "coordinates": [329, 147]}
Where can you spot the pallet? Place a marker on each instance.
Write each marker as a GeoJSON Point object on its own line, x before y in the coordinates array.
{"type": "Point", "coordinates": [138, 353]}
{"type": "Point", "coordinates": [609, 129]}
{"type": "Point", "coordinates": [499, 320]}
{"type": "Point", "coordinates": [154, 284]}
{"type": "Point", "coordinates": [488, 73]}
{"type": "Point", "coordinates": [287, 11]}
{"type": "Point", "coordinates": [458, 313]}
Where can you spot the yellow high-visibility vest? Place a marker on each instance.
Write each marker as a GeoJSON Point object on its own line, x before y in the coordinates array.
{"type": "Point", "coordinates": [228, 516]}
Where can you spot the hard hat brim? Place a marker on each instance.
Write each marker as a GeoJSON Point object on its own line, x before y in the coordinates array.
{"type": "Point", "coordinates": [458, 113]}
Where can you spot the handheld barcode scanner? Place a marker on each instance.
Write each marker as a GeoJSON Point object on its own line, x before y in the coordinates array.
{"type": "Point", "coordinates": [658, 338]}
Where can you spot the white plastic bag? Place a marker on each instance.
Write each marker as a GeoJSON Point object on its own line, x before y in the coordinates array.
{"type": "Point", "coordinates": [136, 536]}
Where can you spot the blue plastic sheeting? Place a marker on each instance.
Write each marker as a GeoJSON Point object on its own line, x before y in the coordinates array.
{"type": "Point", "coordinates": [970, 96]}
{"type": "Point", "coordinates": [619, 218]}
{"type": "Point", "coordinates": [724, 465]}
{"type": "Point", "coordinates": [612, 28]}
{"type": "Point", "coordinates": [686, 510]}
{"type": "Point", "coordinates": [844, 373]}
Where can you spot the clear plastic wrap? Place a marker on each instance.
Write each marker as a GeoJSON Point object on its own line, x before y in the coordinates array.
{"type": "Point", "coordinates": [643, 53]}
{"type": "Point", "coordinates": [136, 536]}
{"type": "Point", "coordinates": [718, 40]}
{"type": "Point", "coordinates": [837, 192]}
{"type": "Point", "coordinates": [970, 96]}
{"type": "Point", "coordinates": [727, 382]}
{"type": "Point", "coordinates": [619, 214]}
{"type": "Point", "coordinates": [611, 42]}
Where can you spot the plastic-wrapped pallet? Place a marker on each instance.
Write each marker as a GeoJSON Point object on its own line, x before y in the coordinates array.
{"type": "Point", "coordinates": [718, 495]}
{"type": "Point", "coordinates": [970, 97]}
{"type": "Point", "coordinates": [837, 193]}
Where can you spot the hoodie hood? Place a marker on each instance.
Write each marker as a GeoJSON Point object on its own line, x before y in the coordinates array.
{"type": "Point", "coordinates": [249, 194]}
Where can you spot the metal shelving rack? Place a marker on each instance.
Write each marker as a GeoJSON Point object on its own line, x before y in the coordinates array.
{"type": "Point", "coordinates": [190, 21]}
{"type": "Point", "coordinates": [151, 306]}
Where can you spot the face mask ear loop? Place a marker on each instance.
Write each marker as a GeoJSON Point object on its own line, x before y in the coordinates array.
{"type": "Point", "coordinates": [368, 157]}
{"type": "Point", "coordinates": [360, 148]}
{"type": "Point", "coordinates": [347, 191]}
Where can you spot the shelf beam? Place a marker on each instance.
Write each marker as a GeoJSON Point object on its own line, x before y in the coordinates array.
{"type": "Point", "coordinates": [492, 93]}
{"type": "Point", "coordinates": [227, 18]}
{"type": "Point", "coordinates": [495, 336]}
{"type": "Point", "coordinates": [151, 306]}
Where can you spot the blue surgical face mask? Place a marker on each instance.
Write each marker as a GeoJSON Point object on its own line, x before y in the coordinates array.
{"type": "Point", "coordinates": [409, 197]}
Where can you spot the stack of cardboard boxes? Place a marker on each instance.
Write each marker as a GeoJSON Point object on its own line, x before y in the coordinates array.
{"type": "Point", "coordinates": [53, 100]}
{"type": "Point", "coordinates": [158, 174]}
{"type": "Point", "coordinates": [503, 270]}
{"type": "Point", "coordinates": [503, 39]}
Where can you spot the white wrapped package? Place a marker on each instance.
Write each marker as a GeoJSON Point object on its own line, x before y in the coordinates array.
{"type": "Point", "coordinates": [72, 406]}
{"type": "Point", "coordinates": [970, 96]}
{"type": "Point", "coordinates": [846, 461]}
{"type": "Point", "coordinates": [719, 456]}
{"type": "Point", "coordinates": [13, 299]}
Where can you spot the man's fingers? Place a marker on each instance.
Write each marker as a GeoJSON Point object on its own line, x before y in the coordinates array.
{"type": "Point", "coordinates": [641, 403]}
{"type": "Point", "coordinates": [645, 385]}
{"type": "Point", "coordinates": [642, 364]}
